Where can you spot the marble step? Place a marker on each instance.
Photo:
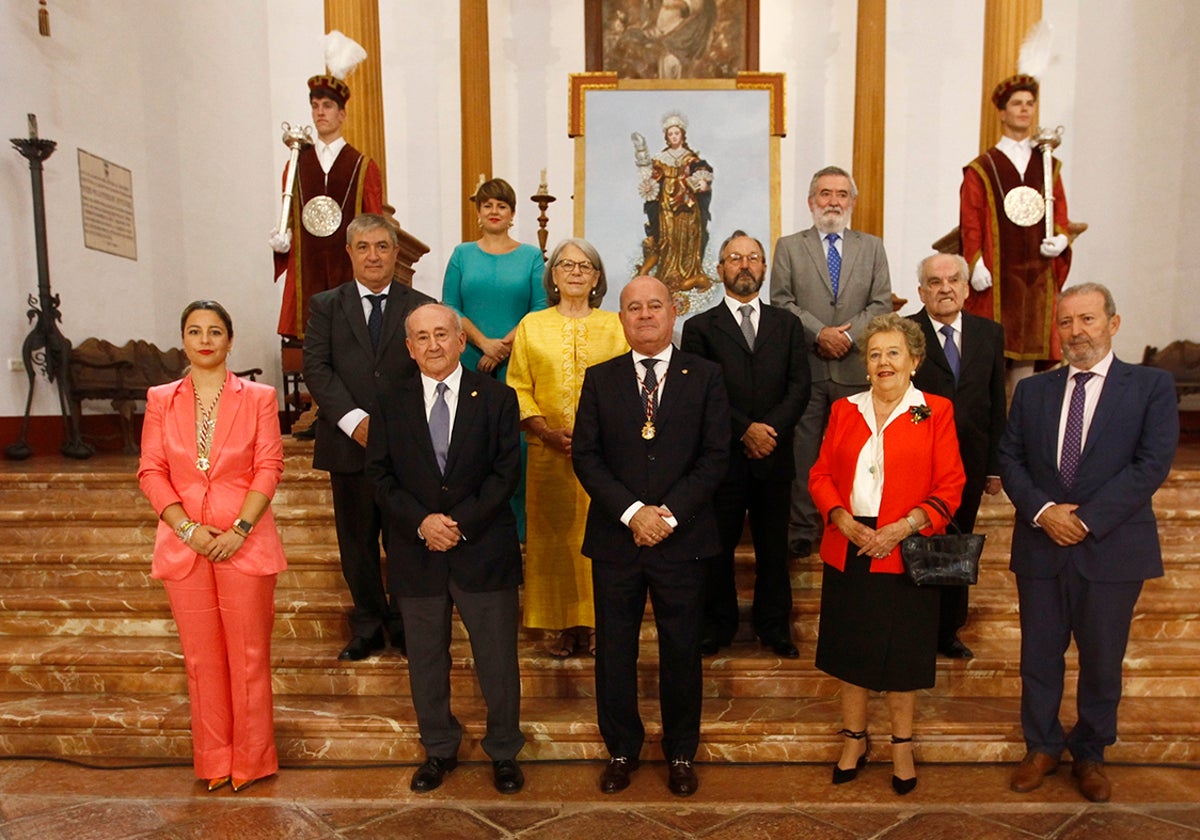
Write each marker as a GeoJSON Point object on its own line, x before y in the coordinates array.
{"type": "Point", "coordinates": [323, 730]}
{"type": "Point", "coordinates": [154, 665]}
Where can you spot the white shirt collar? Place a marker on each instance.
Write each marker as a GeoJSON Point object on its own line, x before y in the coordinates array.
{"type": "Point", "coordinates": [453, 381]}
{"type": "Point", "coordinates": [912, 397]}
{"type": "Point", "coordinates": [1008, 145]}
{"type": "Point", "coordinates": [1100, 368]}
{"type": "Point", "coordinates": [734, 304]}
{"type": "Point", "coordinates": [937, 325]}
{"type": "Point", "coordinates": [662, 356]}
{"type": "Point", "coordinates": [363, 291]}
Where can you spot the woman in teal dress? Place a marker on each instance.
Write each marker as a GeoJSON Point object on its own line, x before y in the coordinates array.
{"type": "Point", "coordinates": [493, 283]}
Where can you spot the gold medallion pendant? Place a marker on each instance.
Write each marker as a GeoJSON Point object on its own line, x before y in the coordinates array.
{"type": "Point", "coordinates": [202, 463]}
{"type": "Point", "coordinates": [322, 216]}
{"type": "Point", "coordinates": [648, 430]}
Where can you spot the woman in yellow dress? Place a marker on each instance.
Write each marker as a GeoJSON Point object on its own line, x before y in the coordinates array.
{"type": "Point", "coordinates": [551, 351]}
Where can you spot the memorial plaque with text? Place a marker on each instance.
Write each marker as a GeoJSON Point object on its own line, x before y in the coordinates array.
{"type": "Point", "coordinates": [106, 197]}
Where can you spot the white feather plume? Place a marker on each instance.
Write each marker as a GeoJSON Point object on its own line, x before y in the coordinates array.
{"type": "Point", "coordinates": [1037, 50]}
{"type": "Point", "coordinates": [342, 54]}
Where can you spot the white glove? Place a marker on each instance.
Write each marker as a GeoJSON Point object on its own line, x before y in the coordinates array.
{"type": "Point", "coordinates": [281, 243]}
{"type": "Point", "coordinates": [1054, 245]}
{"type": "Point", "coordinates": [981, 278]}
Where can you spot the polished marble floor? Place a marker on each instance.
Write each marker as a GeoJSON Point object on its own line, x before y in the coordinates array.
{"type": "Point", "coordinates": [48, 799]}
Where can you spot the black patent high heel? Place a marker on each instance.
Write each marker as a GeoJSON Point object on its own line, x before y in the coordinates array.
{"type": "Point", "coordinates": [840, 776]}
{"type": "Point", "coordinates": [902, 786]}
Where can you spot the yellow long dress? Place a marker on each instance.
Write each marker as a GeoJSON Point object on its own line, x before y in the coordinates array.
{"type": "Point", "coordinates": [550, 354]}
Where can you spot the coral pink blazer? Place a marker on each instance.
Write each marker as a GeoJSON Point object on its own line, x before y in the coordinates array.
{"type": "Point", "coordinates": [247, 454]}
{"type": "Point", "coordinates": [919, 460]}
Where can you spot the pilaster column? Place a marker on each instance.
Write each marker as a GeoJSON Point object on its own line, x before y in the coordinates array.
{"type": "Point", "coordinates": [870, 74]}
{"type": "Point", "coordinates": [359, 19]}
{"type": "Point", "coordinates": [476, 104]}
{"type": "Point", "coordinates": [1005, 25]}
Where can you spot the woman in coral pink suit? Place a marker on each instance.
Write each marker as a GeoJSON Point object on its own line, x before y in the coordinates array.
{"type": "Point", "coordinates": [211, 458]}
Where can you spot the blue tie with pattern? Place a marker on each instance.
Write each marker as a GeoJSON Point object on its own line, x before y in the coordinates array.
{"type": "Point", "coordinates": [1072, 444]}
{"type": "Point", "coordinates": [951, 350]}
{"type": "Point", "coordinates": [835, 262]}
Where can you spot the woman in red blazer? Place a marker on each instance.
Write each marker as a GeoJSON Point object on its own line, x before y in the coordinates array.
{"type": "Point", "coordinates": [886, 452]}
{"type": "Point", "coordinates": [211, 457]}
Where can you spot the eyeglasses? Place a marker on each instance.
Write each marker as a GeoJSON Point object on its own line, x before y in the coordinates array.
{"type": "Point", "coordinates": [569, 266]}
{"type": "Point", "coordinates": [750, 259]}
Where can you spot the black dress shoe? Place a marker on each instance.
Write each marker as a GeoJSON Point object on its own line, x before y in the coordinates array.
{"type": "Point", "coordinates": [429, 775]}
{"type": "Point", "coordinates": [681, 778]}
{"type": "Point", "coordinates": [361, 647]}
{"type": "Point", "coordinates": [708, 646]}
{"type": "Point", "coordinates": [616, 775]}
{"type": "Point", "coordinates": [508, 776]}
{"type": "Point", "coordinates": [782, 646]}
{"type": "Point", "coordinates": [956, 650]}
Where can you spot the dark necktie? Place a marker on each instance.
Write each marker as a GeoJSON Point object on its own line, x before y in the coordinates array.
{"type": "Point", "coordinates": [835, 262]}
{"type": "Point", "coordinates": [375, 319]}
{"type": "Point", "coordinates": [650, 389]}
{"type": "Point", "coordinates": [439, 426]}
{"type": "Point", "coordinates": [747, 325]}
{"type": "Point", "coordinates": [1073, 435]}
{"type": "Point", "coordinates": [951, 350]}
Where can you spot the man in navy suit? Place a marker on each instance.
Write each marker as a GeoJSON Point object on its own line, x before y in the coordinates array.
{"type": "Point", "coordinates": [352, 354]}
{"type": "Point", "coordinates": [964, 362]}
{"type": "Point", "coordinates": [444, 453]}
{"type": "Point", "coordinates": [1085, 449]}
{"type": "Point", "coordinates": [651, 446]}
{"type": "Point", "coordinates": [761, 351]}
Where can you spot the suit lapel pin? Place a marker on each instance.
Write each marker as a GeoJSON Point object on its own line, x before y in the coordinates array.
{"type": "Point", "coordinates": [474, 393]}
{"type": "Point", "coordinates": [684, 371]}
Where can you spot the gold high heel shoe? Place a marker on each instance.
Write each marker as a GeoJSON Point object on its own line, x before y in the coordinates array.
{"type": "Point", "coordinates": [241, 784]}
{"type": "Point", "coordinates": [220, 782]}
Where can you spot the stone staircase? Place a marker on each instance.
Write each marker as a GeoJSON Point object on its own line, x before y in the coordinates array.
{"type": "Point", "coordinates": [91, 669]}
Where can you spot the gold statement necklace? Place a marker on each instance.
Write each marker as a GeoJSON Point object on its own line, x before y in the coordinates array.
{"type": "Point", "coordinates": [206, 424]}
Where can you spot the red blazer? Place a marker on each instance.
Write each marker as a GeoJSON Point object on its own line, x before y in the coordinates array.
{"type": "Point", "coordinates": [247, 454]}
{"type": "Point", "coordinates": [919, 460]}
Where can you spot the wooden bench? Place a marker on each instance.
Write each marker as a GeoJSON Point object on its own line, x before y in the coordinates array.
{"type": "Point", "coordinates": [100, 370]}
{"type": "Point", "coordinates": [1182, 360]}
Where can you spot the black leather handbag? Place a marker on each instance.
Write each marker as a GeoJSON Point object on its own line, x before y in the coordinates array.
{"type": "Point", "coordinates": [942, 559]}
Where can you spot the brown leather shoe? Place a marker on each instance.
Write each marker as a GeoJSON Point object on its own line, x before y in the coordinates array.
{"type": "Point", "coordinates": [1032, 771]}
{"type": "Point", "coordinates": [616, 774]}
{"type": "Point", "coordinates": [1093, 784]}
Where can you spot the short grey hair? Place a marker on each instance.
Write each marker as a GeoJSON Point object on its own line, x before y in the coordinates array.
{"type": "Point", "coordinates": [596, 297]}
{"type": "Point", "coordinates": [831, 170]}
{"type": "Point", "coordinates": [737, 234]}
{"type": "Point", "coordinates": [893, 322]}
{"type": "Point", "coordinates": [964, 271]}
{"type": "Point", "coordinates": [1110, 305]}
{"type": "Point", "coordinates": [364, 222]}
{"type": "Point", "coordinates": [457, 319]}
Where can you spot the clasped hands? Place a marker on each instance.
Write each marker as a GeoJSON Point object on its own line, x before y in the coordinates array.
{"type": "Point", "coordinates": [215, 544]}
{"type": "Point", "coordinates": [650, 525]}
{"type": "Point", "coordinates": [872, 542]}
{"type": "Point", "coordinates": [833, 342]}
{"type": "Point", "coordinates": [495, 352]}
{"type": "Point", "coordinates": [440, 532]}
{"type": "Point", "coordinates": [1062, 525]}
{"type": "Point", "coordinates": [759, 440]}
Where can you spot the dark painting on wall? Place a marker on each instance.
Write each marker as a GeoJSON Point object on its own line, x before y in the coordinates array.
{"type": "Point", "coordinates": [672, 39]}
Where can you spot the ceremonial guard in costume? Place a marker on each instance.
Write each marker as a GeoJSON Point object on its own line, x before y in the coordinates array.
{"type": "Point", "coordinates": [330, 183]}
{"type": "Point", "coordinates": [1013, 220]}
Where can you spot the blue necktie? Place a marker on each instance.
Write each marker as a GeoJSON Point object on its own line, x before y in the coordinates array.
{"type": "Point", "coordinates": [375, 319]}
{"type": "Point", "coordinates": [951, 350]}
{"type": "Point", "coordinates": [1073, 435]}
{"type": "Point", "coordinates": [835, 262]}
{"type": "Point", "coordinates": [439, 426]}
{"type": "Point", "coordinates": [650, 389]}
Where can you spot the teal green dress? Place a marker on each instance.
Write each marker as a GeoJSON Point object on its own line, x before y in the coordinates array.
{"type": "Point", "coordinates": [495, 291]}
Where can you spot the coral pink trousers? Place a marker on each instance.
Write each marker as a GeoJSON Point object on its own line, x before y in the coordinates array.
{"type": "Point", "coordinates": [225, 619]}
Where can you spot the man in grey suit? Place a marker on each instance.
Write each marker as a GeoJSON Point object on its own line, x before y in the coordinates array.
{"type": "Point", "coordinates": [354, 351]}
{"type": "Point", "coordinates": [834, 280]}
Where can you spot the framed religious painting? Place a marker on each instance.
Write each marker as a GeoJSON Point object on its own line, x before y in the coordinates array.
{"type": "Point", "coordinates": [671, 39]}
{"type": "Point", "coordinates": [666, 171]}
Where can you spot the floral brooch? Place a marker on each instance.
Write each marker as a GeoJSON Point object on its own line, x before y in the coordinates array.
{"type": "Point", "coordinates": [919, 413]}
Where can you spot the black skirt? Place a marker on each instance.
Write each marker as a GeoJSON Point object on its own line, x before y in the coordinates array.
{"type": "Point", "coordinates": [877, 631]}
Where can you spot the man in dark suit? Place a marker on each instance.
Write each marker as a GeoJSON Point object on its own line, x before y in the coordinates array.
{"type": "Point", "coordinates": [964, 362]}
{"type": "Point", "coordinates": [444, 454]}
{"type": "Point", "coordinates": [835, 280]}
{"type": "Point", "coordinates": [651, 446]}
{"type": "Point", "coordinates": [1085, 449]}
{"type": "Point", "coordinates": [352, 354]}
{"type": "Point", "coordinates": [761, 351]}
